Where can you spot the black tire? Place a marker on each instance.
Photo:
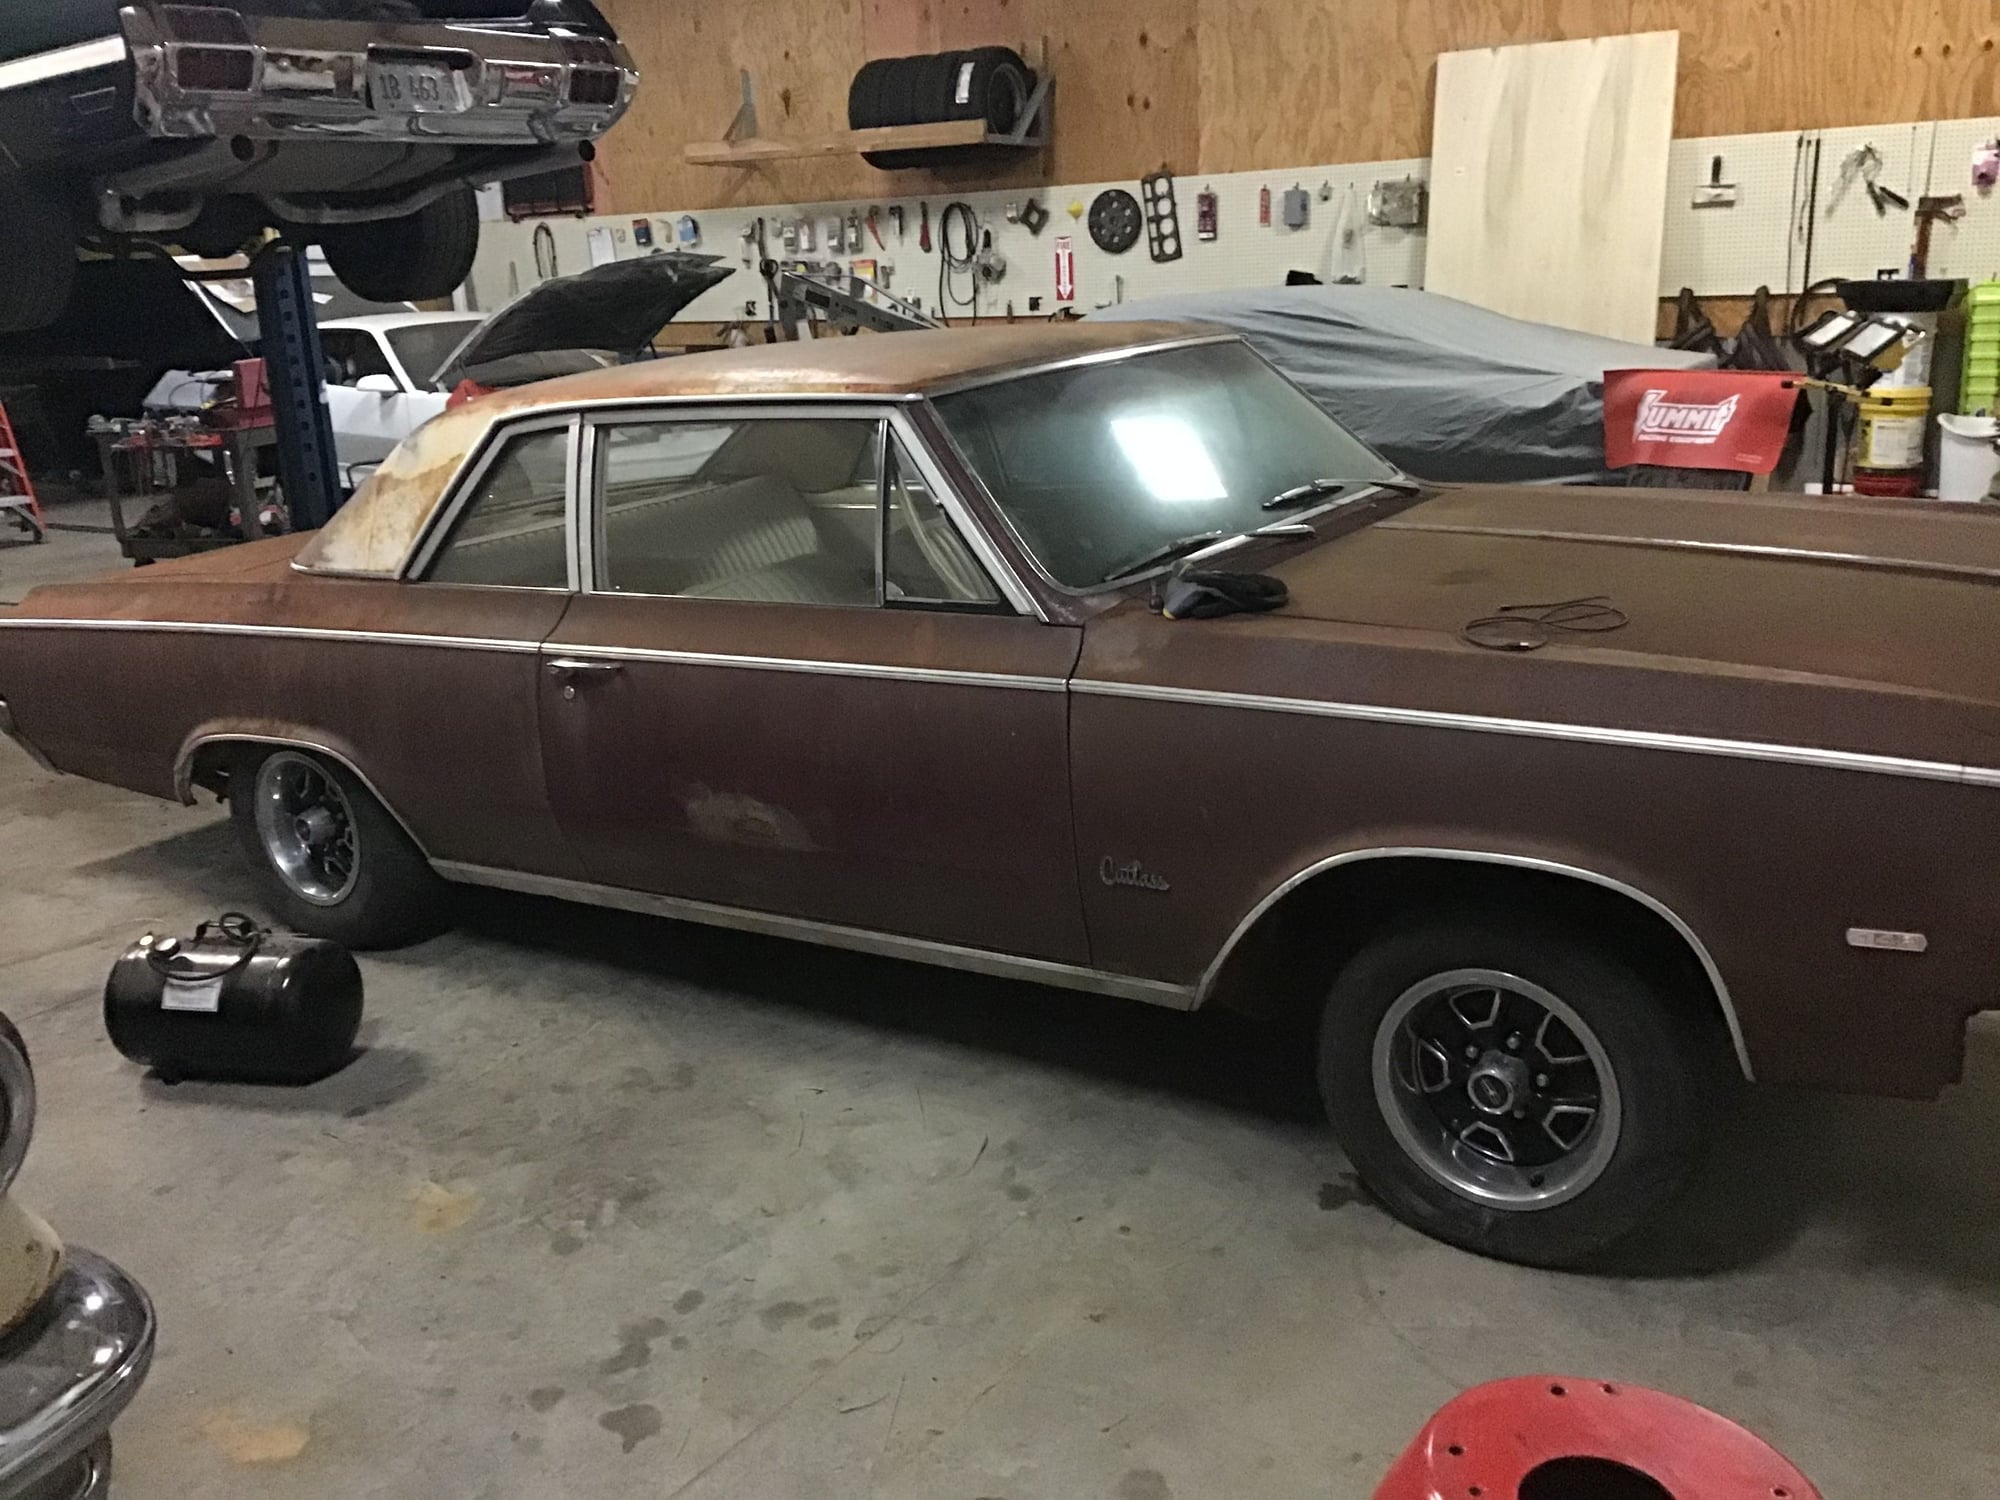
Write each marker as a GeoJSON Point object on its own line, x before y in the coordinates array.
{"type": "Point", "coordinates": [864, 94]}
{"type": "Point", "coordinates": [394, 896]}
{"type": "Point", "coordinates": [420, 258]}
{"type": "Point", "coordinates": [38, 251]}
{"type": "Point", "coordinates": [1662, 1060]}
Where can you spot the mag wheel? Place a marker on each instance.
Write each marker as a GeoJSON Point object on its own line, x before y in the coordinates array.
{"type": "Point", "coordinates": [1518, 1090]}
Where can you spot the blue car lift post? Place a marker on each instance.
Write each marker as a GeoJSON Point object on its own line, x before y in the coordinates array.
{"type": "Point", "coordinates": [296, 368]}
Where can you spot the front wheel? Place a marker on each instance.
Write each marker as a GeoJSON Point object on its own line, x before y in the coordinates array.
{"type": "Point", "coordinates": [335, 863]}
{"type": "Point", "coordinates": [1517, 1090]}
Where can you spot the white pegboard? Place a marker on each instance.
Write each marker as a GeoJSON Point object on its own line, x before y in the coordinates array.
{"type": "Point", "coordinates": [1243, 253]}
{"type": "Point", "coordinates": [1717, 251]}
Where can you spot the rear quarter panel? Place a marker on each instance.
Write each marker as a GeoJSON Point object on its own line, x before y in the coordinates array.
{"type": "Point", "coordinates": [238, 644]}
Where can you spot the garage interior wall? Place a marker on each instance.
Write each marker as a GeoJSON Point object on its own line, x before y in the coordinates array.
{"type": "Point", "coordinates": [1219, 86]}
{"type": "Point", "coordinates": [1239, 95]}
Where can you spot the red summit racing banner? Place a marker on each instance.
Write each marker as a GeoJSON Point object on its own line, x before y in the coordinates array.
{"type": "Point", "coordinates": [1697, 419]}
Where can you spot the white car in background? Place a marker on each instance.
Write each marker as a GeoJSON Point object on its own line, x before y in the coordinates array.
{"type": "Point", "coordinates": [382, 380]}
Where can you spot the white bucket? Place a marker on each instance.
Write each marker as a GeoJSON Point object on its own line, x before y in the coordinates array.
{"type": "Point", "coordinates": [1967, 458]}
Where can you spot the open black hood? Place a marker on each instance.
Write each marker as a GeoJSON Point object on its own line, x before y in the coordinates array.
{"type": "Point", "coordinates": [616, 308]}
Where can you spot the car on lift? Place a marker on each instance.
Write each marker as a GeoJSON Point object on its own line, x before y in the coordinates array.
{"type": "Point", "coordinates": [1098, 655]}
{"type": "Point", "coordinates": [352, 124]}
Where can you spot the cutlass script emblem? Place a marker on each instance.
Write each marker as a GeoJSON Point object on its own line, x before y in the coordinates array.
{"type": "Point", "coordinates": [1132, 873]}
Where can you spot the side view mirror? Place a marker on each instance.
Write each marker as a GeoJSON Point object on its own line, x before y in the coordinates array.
{"type": "Point", "coordinates": [381, 385]}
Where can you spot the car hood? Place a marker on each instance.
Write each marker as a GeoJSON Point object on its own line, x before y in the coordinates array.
{"type": "Point", "coordinates": [1902, 595]}
{"type": "Point", "coordinates": [618, 308]}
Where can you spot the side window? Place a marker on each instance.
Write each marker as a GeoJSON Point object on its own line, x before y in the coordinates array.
{"type": "Point", "coordinates": [352, 353]}
{"type": "Point", "coordinates": [778, 510]}
{"type": "Point", "coordinates": [924, 559]}
{"type": "Point", "coordinates": [510, 532]}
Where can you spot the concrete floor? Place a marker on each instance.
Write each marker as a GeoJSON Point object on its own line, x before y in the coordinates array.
{"type": "Point", "coordinates": [613, 1206]}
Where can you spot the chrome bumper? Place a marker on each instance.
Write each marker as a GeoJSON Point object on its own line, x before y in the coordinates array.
{"type": "Point", "coordinates": [208, 72]}
{"type": "Point", "coordinates": [68, 1373]}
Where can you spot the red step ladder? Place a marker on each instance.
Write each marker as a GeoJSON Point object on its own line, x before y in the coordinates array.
{"type": "Point", "coordinates": [17, 490]}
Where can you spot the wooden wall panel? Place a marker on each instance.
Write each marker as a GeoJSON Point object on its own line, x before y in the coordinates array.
{"type": "Point", "coordinates": [1236, 85]}
{"type": "Point", "coordinates": [1549, 180]}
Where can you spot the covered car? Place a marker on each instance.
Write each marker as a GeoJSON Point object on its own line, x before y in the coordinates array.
{"type": "Point", "coordinates": [1447, 390]}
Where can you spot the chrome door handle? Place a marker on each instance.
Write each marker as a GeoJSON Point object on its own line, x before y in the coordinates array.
{"type": "Point", "coordinates": [569, 666]}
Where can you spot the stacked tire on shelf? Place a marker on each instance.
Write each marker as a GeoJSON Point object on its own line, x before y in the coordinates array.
{"type": "Point", "coordinates": [984, 83]}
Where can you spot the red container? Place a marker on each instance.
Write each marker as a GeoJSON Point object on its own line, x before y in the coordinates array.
{"type": "Point", "coordinates": [1899, 484]}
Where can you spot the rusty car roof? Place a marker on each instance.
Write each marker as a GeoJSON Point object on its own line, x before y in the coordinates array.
{"type": "Point", "coordinates": [374, 533]}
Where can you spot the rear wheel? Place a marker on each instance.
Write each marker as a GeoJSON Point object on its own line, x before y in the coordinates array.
{"type": "Point", "coordinates": [421, 257]}
{"type": "Point", "coordinates": [1518, 1090]}
{"type": "Point", "coordinates": [38, 252]}
{"type": "Point", "coordinates": [335, 863]}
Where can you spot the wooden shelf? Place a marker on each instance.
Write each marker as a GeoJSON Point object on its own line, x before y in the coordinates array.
{"type": "Point", "coordinates": [846, 143]}
{"type": "Point", "coordinates": [742, 146]}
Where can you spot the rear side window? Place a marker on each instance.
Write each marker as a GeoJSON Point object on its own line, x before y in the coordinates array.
{"type": "Point", "coordinates": [510, 532]}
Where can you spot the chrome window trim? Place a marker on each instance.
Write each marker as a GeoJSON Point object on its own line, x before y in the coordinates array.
{"type": "Point", "coordinates": [894, 411]}
{"type": "Point", "coordinates": [880, 671]}
{"type": "Point", "coordinates": [1002, 572]}
{"type": "Point", "coordinates": [828, 934]}
{"type": "Point", "coordinates": [1517, 861]}
{"type": "Point", "coordinates": [184, 769]}
{"type": "Point", "coordinates": [62, 62]}
{"type": "Point", "coordinates": [1637, 739]}
{"type": "Point", "coordinates": [1001, 375]}
{"type": "Point", "coordinates": [471, 473]}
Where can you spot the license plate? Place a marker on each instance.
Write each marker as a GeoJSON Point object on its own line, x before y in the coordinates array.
{"type": "Point", "coordinates": [415, 88]}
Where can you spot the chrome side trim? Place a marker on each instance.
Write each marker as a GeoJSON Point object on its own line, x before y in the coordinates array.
{"type": "Point", "coordinates": [287, 632]}
{"type": "Point", "coordinates": [1518, 861]}
{"type": "Point", "coordinates": [40, 67]}
{"type": "Point", "coordinates": [941, 675]}
{"type": "Point", "coordinates": [827, 934]}
{"type": "Point", "coordinates": [9, 728]}
{"type": "Point", "coordinates": [184, 769]}
{"type": "Point", "coordinates": [1684, 544]}
{"type": "Point", "coordinates": [1638, 739]}
{"type": "Point", "coordinates": [1004, 373]}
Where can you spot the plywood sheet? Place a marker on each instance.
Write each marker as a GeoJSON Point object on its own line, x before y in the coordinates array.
{"type": "Point", "coordinates": [1549, 179]}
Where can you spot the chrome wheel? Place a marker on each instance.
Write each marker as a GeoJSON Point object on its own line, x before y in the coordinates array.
{"type": "Point", "coordinates": [306, 827]}
{"type": "Point", "coordinates": [1496, 1088]}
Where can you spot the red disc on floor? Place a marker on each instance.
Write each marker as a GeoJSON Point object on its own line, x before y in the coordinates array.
{"type": "Point", "coordinates": [1553, 1437]}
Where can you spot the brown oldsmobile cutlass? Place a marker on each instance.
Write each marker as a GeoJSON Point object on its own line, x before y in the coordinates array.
{"type": "Point", "coordinates": [855, 642]}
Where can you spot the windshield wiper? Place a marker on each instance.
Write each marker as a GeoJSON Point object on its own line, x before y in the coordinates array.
{"type": "Point", "coordinates": [1196, 541]}
{"type": "Point", "coordinates": [1180, 546]}
{"type": "Point", "coordinates": [1320, 489]}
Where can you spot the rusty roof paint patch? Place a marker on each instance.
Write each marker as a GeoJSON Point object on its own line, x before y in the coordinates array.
{"type": "Point", "coordinates": [374, 533]}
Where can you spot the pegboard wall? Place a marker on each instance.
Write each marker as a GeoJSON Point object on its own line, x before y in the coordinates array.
{"type": "Point", "coordinates": [1758, 241]}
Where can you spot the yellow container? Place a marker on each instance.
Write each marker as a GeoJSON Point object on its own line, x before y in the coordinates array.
{"type": "Point", "coordinates": [1893, 425]}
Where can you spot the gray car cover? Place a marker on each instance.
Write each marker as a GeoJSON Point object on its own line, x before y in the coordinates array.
{"type": "Point", "coordinates": [1443, 389]}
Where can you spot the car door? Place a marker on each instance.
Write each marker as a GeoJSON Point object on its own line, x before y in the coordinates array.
{"type": "Point", "coordinates": [790, 685]}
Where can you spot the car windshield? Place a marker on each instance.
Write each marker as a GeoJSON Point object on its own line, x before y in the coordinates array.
{"type": "Point", "coordinates": [424, 347]}
{"type": "Point", "coordinates": [1101, 467]}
